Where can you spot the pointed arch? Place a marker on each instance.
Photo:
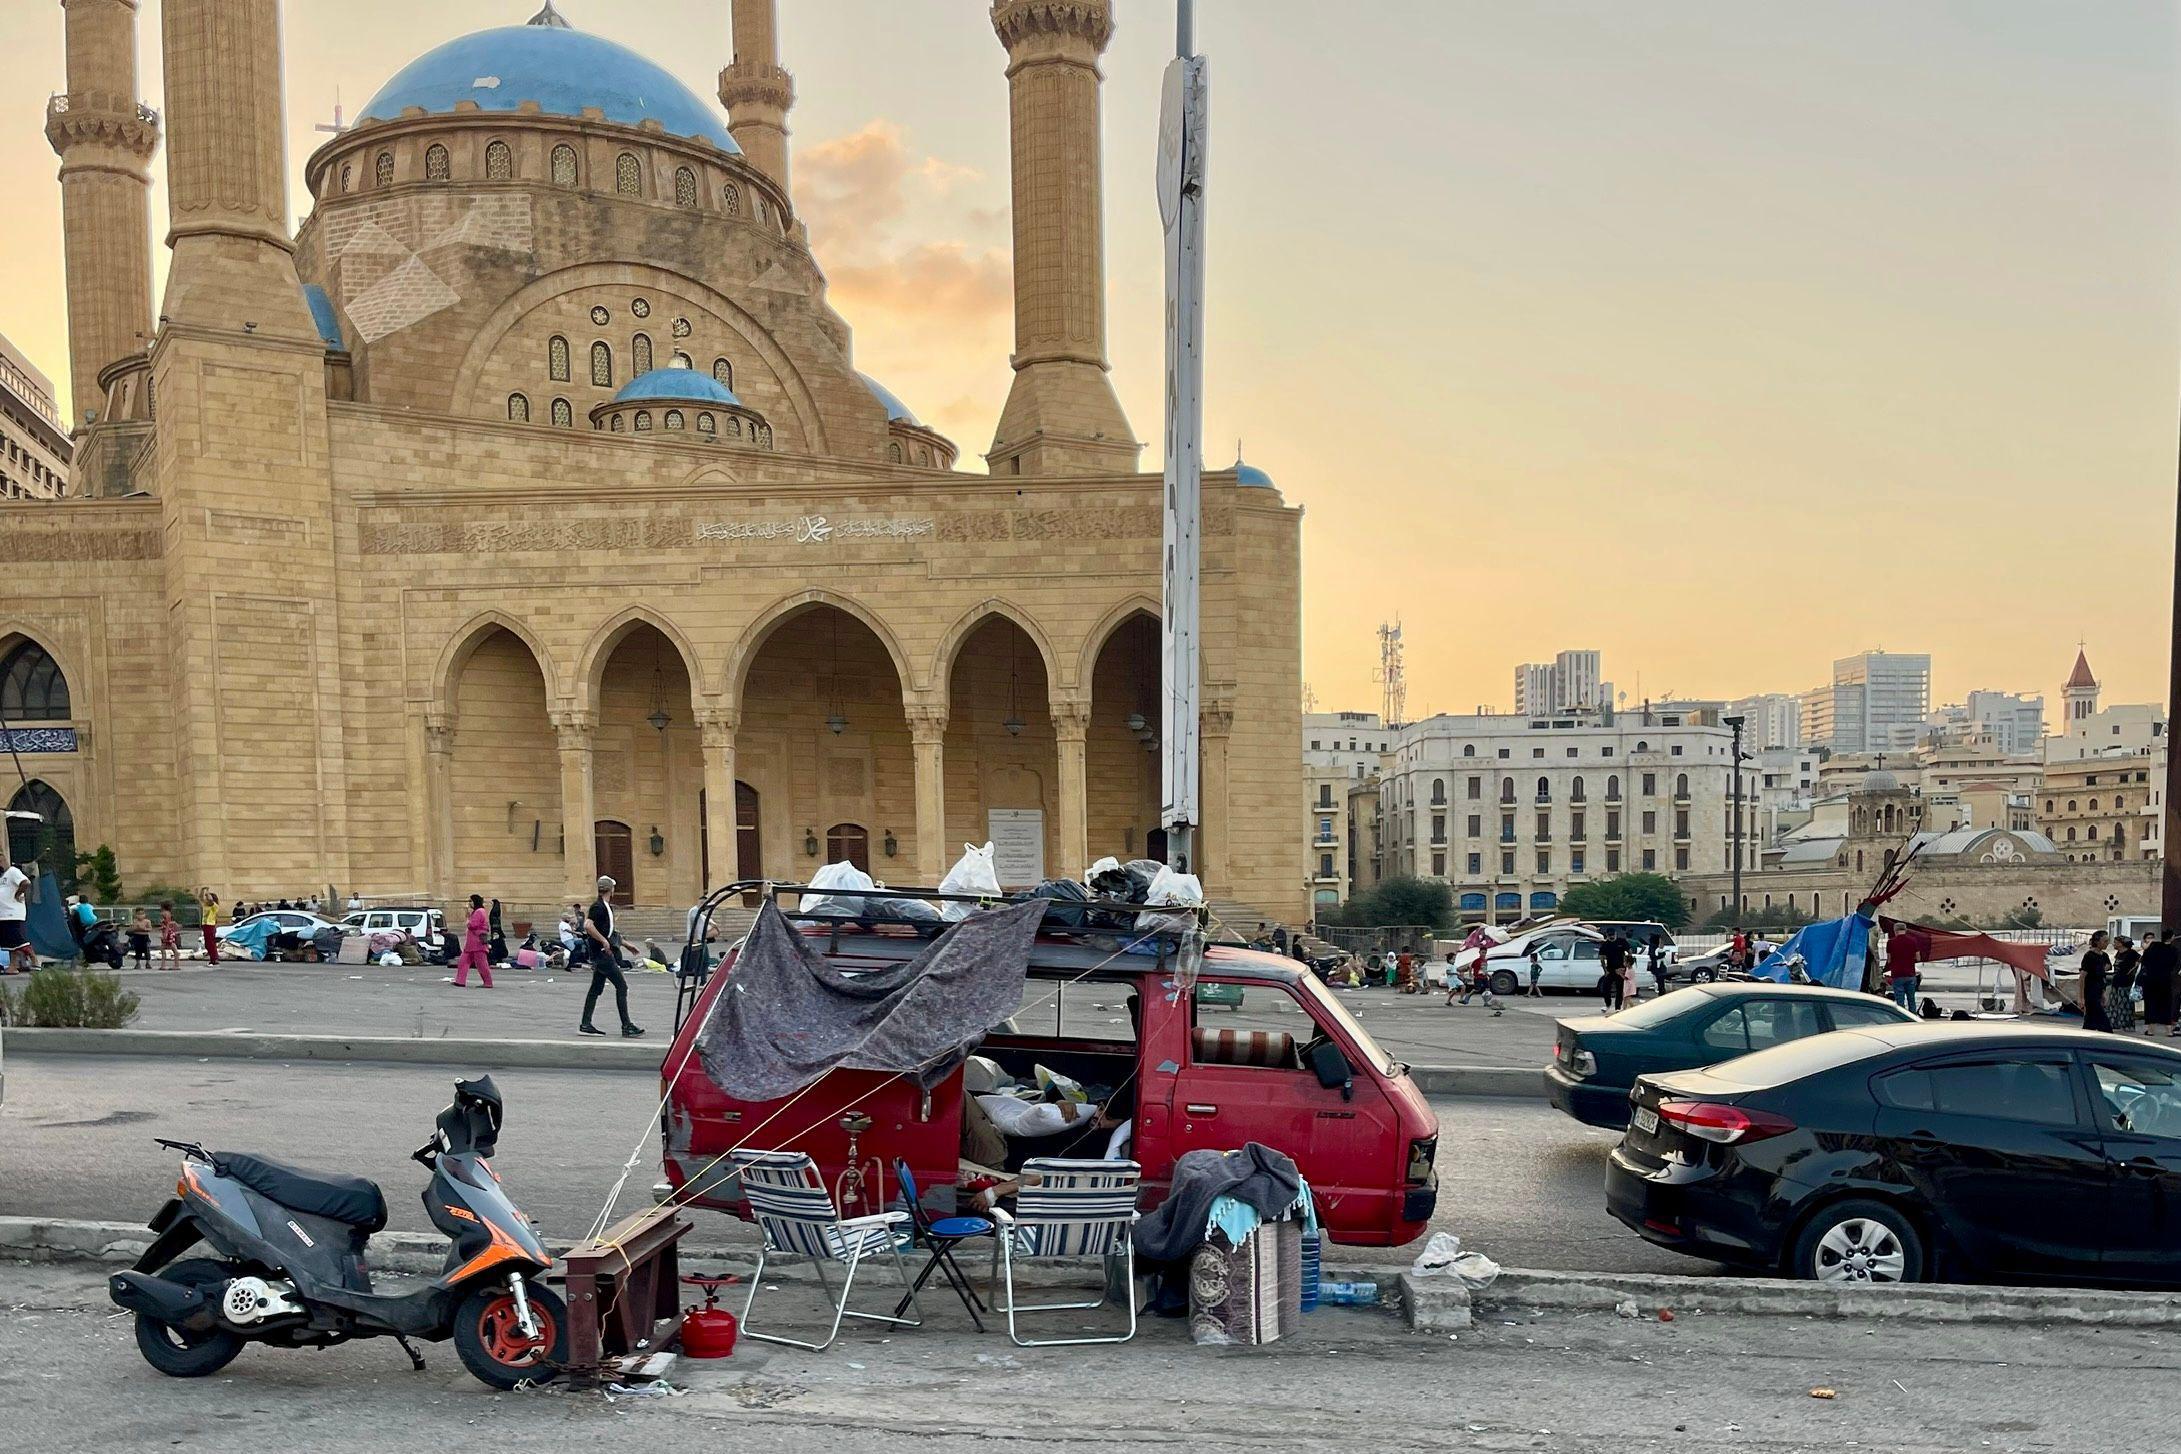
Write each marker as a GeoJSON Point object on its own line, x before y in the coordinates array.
{"type": "Point", "coordinates": [591, 661]}
{"type": "Point", "coordinates": [950, 645]}
{"type": "Point", "coordinates": [27, 683]}
{"type": "Point", "coordinates": [753, 638]}
{"type": "Point", "coordinates": [1095, 642]}
{"type": "Point", "coordinates": [447, 676]}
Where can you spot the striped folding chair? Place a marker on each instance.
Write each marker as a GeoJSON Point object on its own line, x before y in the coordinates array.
{"type": "Point", "coordinates": [1070, 1209]}
{"type": "Point", "coordinates": [797, 1215]}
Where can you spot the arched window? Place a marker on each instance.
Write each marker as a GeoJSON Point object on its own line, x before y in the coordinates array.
{"type": "Point", "coordinates": [1643, 746]}
{"type": "Point", "coordinates": [1544, 790]}
{"type": "Point", "coordinates": [518, 409]}
{"type": "Point", "coordinates": [617, 424]}
{"type": "Point", "coordinates": [706, 424]}
{"type": "Point", "coordinates": [1469, 749]}
{"type": "Point", "coordinates": [2091, 833]}
{"type": "Point", "coordinates": [1681, 784]}
{"type": "Point", "coordinates": [849, 842]}
{"type": "Point", "coordinates": [32, 688]}
{"type": "Point", "coordinates": [762, 433]}
{"type": "Point", "coordinates": [564, 414]}
{"type": "Point", "coordinates": [1507, 791]}
{"type": "Point", "coordinates": [757, 205]}
{"type": "Point", "coordinates": [674, 419]}
{"type": "Point", "coordinates": [723, 373]}
{"type": "Point", "coordinates": [923, 455]}
{"type": "Point", "coordinates": [685, 187]}
{"type": "Point", "coordinates": [564, 166]}
{"type": "Point", "coordinates": [348, 175]}
{"type": "Point", "coordinates": [1613, 788]}
{"type": "Point", "coordinates": [556, 358]}
{"type": "Point", "coordinates": [628, 176]}
{"type": "Point", "coordinates": [435, 163]}
{"type": "Point", "coordinates": [2071, 835]}
{"type": "Point", "coordinates": [2093, 805]}
{"type": "Point", "coordinates": [734, 427]}
{"type": "Point", "coordinates": [643, 421]}
{"type": "Point", "coordinates": [894, 452]}
{"type": "Point", "coordinates": [640, 355]}
{"type": "Point", "coordinates": [602, 365]}
{"type": "Point", "coordinates": [385, 169]}
{"type": "Point", "coordinates": [1575, 791]}
{"type": "Point", "coordinates": [499, 162]}
{"type": "Point", "coordinates": [732, 196]}
{"type": "Point", "coordinates": [53, 835]}
{"type": "Point", "coordinates": [2071, 805]}
{"type": "Point", "coordinates": [679, 359]}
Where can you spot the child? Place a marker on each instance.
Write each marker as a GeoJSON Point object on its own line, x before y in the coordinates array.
{"type": "Point", "coordinates": [140, 939]}
{"type": "Point", "coordinates": [170, 937]}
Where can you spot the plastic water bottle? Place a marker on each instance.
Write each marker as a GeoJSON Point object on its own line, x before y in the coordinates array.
{"type": "Point", "coordinates": [1349, 1294]}
{"type": "Point", "coordinates": [1312, 1272]}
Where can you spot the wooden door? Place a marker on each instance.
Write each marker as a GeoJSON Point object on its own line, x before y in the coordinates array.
{"type": "Point", "coordinates": [749, 843]}
{"type": "Point", "coordinates": [850, 842]}
{"type": "Point", "coordinates": [616, 851]}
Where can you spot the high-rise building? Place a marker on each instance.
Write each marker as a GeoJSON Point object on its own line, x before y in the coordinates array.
{"type": "Point", "coordinates": [1533, 688]}
{"type": "Point", "coordinates": [1770, 720]}
{"type": "Point", "coordinates": [2008, 721]}
{"type": "Point", "coordinates": [1570, 682]}
{"type": "Point", "coordinates": [34, 448]}
{"type": "Point", "coordinates": [1876, 702]}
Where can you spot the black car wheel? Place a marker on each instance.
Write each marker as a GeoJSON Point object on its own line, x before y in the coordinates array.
{"type": "Point", "coordinates": [1859, 1242]}
{"type": "Point", "coordinates": [176, 1352]}
{"type": "Point", "coordinates": [1505, 983]}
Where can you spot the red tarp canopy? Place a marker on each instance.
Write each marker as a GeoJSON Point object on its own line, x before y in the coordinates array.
{"type": "Point", "coordinates": [1949, 944]}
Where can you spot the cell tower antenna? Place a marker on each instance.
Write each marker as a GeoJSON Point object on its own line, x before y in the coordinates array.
{"type": "Point", "coordinates": [1393, 683]}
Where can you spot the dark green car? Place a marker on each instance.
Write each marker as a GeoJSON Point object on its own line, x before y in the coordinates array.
{"type": "Point", "coordinates": [1595, 1061]}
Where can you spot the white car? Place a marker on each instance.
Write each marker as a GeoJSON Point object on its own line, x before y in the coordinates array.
{"type": "Point", "coordinates": [1567, 953]}
{"type": "Point", "coordinates": [426, 926]}
{"type": "Point", "coordinates": [289, 921]}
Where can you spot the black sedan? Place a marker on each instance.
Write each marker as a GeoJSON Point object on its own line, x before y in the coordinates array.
{"type": "Point", "coordinates": [1896, 1154]}
{"type": "Point", "coordinates": [1596, 1060]}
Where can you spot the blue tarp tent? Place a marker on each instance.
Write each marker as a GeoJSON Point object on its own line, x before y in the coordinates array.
{"type": "Point", "coordinates": [249, 938]}
{"type": "Point", "coordinates": [1832, 952]}
{"type": "Point", "coordinates": [48, 927]}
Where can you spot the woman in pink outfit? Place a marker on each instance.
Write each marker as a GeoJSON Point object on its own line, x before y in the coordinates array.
{"type": "Point", "coordinates": [473, 947]}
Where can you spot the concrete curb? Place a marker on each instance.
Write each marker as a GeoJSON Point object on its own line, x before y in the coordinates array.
{"type": "Point", "coordinates": [603, 1054]}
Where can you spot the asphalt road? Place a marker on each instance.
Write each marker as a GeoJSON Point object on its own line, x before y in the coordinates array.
{"type": "Point", "coordinates": [71, 1382]}
{"type": "Point", "coordinates": [1518, 1180]}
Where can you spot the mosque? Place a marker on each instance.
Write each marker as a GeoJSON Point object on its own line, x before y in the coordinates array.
{"type": "Point", "coordinates": [522, 515]}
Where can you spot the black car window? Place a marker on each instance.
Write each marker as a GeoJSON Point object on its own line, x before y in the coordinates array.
{"type": "Point", "coordinates": [1775, 1022]}
{"type": "Point", "coordinates": [1729, 1032]}
{"type": "Point", "coordinates": [1860, 1017]}
{"type": "Point", "coordinates": [2035, 1092]}
{"type": "Point", "coordinates": [2143, 1096]}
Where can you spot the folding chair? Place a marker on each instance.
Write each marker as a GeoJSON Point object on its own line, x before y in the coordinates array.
{"type": "Point", "coordinates": [940, 1236]}
{"type": "Point", "coordinates": [1070, 1209]}
{"type": "Point", "coordinates": [797, 1215]}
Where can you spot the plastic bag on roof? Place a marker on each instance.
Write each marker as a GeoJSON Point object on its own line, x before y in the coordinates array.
{"type": "Point", "coordinates": [843, 875]}
{"type": "Point", "coordinates": [1180, 890]}
{"type": "Point", "coordinates": [972, 873]}
{"type": "Point", "coordinates": [1108, 864]}
{"type": "Point", "coordinates": [1067, 911]}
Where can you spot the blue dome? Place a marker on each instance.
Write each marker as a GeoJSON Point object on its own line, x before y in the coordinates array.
{"type": "Point", "coordinates": [1249, 474]}
{"type": "Point", "coordinates": [677, 384]}
{"type": "Point", "coordinates": [562, 70]}
{"type": "Point", "coordinates": [896, 411]}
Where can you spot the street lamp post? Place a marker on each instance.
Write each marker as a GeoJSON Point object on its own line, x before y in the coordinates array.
{"type": "Point", "coordinates": [1736, 724]}
{"type": "Point", "coordinates": [2169, 837]}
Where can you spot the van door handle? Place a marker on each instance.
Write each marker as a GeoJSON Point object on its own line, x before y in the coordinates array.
{"type": "Point", "coordinates": [1202, 1110]}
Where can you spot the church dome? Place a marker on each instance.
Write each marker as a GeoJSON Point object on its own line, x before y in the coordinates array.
{"type": "Point", "coordinates": [682, 384]}
{"type": "Point", "coordinates": [1880, 781]}
{"type": "Point", "coordinates": [563, 70]}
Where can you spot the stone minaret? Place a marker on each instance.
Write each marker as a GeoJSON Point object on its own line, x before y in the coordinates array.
{"type": "Point", "coordinates": [757, 92]}
{"type": "Point", "coordinates": [1061, 415]}
{"type": "Point", "coordinates": [241, 458]}
{"type": "Point", "coordinates": [105, 137]}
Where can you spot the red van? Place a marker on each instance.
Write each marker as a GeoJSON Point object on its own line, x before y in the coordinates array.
{"type": "Point", "coordinates": [1316, 1087]}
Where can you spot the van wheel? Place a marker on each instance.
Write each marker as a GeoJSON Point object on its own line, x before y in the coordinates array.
{"type": "Point", "coordinates": [1859, 1242]}
{"type": "Point", "coordinates": [1504, 982]}
{"type": "Point", "coordinates": [180, 1354]}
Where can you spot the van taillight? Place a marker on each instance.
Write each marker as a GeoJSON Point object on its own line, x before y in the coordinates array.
{"type": "Point", "coordinates": [1421, 1152]}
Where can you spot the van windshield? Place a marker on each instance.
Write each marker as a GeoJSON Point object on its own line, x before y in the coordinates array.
{"type": "Point", "coordinates": [1335, 1011]}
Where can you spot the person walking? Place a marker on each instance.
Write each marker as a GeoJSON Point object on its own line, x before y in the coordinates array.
{"type": "Point", "coordinates": [208, 910]}
{"type": "Point", "coordinates": [170, 937]}
{"type": "Point", "coordinates": [2160, 959]}
{"type": "Point", "coordinates": [2127, 963]}
{"type": "Point", "coordinates": [605, 947]}
{"type": "Point", "coordinates": [1905, 951]}
{"type": "Point", "coordinates": [1537, 972]}
{"type": "Point", "coordinates": [15, 922]}
{"type": "Point", "coordinates": [2097, 969]}
{"type": "Point", "coordinates": [1612, 963]}
{"type": "Point", "coordinates": [473, 947]}
{"type": "Point", "coordinates": [1659, 967]}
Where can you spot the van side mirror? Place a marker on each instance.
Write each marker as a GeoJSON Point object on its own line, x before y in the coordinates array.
{"type": "Point", "coordinates": [1333, 1070]}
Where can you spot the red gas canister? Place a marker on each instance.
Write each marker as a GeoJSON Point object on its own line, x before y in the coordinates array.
{"type": "Point", "coordinates": [709, 1331]}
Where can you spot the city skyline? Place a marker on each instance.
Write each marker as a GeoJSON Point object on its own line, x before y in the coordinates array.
{"type": "Point", "coordinates": [1739, 356]}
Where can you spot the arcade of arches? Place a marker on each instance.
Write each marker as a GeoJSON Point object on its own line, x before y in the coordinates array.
{"type": "Point", "coordinates": [818, 753]}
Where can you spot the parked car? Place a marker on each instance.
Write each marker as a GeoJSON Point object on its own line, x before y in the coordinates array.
{"type": "Point", "coordinates": [1903, 1152]}
{"type": "Point", "coordinates": [1567, 951]}
{"type": "Point", "coordinates": [426, 926]}
{"type": "Point", "coordinates": [1711, 965]}
{"type": "Point", "coordinates": [299, 922]}
{"type": "Point", "coordinates": [1640, 934]}
{"type": "Point", "coordinates": [1595, 1061]}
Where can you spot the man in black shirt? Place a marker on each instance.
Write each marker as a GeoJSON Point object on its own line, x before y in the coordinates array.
{"type": "Point", "coordinates": [605, 964]}
{"type": "Point", "coordinates": [1613, 959]}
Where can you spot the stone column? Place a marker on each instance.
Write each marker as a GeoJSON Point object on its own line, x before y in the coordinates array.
{"type": "Point", "coordinates": [928, 731]}
{"type": "Point", "coordinates": [757, 93]}
{"type": "Point", "coordinates": [439, 802]}
{"type": "Point", "coordinates": [718, 728]}
{"type": "Point", "coordinates": [578, 733]}
{"type": "Point", "coordinates": [1216, 727]}
{"type": "Point", "coordinates": [1071, 727]}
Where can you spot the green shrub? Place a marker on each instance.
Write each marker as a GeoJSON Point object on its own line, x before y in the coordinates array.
{"type": "Point", "coordinates": [64, 999]}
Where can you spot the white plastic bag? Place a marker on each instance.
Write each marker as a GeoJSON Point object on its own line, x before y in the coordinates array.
{"type": "Point", "coordinates": [972, 873]}
{"type": "Point", "coordinates": [842, 875]}
{"type": "Point", "coordinates": [1179, 890]}
{"type": "Point", "coordinates": [1475, 1270]}
{"type": "Point", "coordinates": [1108, 864]}
{"type": "Point", "coordinates": [1438, 1255]}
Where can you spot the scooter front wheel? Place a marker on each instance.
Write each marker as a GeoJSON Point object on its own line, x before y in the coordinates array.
{"type": "Point", "coordinates": [489, 1338]}
{"type": "Point", "coordinates": [181, 1354]}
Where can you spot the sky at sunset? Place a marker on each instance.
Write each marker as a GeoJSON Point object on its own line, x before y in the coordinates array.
{"type": "Point", "coordinates": [1724, 338]}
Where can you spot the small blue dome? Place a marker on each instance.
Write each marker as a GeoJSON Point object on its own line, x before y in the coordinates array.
{"type": "Point", "coordinates": [678, 384]}
{"type": "Point", "coordinates": [562, 70]}
{"type": "Point", "coordinates": [1249, 474]}
{"type": "Point", "coordinates": [896, 411]}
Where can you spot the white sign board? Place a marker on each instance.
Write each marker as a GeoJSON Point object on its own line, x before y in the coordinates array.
{"type": "Point", "coordinates": [1018, 845]}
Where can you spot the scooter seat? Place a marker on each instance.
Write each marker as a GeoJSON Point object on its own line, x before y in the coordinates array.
{"type": "Point", "coordinates": [354, 1200]}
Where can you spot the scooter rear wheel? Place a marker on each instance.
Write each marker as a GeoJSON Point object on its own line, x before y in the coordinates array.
{"type": "Point", "coordinates": [180, 1354]}
{"type": "Point", "coordinates": [489, 1339]}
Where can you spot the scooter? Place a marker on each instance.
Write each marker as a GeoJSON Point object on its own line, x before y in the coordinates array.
{"type": "Point", "coordinates": [288, 1268]}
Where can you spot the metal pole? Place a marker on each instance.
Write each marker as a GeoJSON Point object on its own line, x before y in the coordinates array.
{"type": "Point", "coordinates": [2169, 896]}
{"type": "Point", "coordinates": [1736, 724]}
{"type": "Point", "coordinates": [1185, 27]}
{"type": "Point", "coordinates": [1182, 141]}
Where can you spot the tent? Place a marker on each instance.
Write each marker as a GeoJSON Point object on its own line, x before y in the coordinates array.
{"type": "Point", "coordinates": [1948, 944]}
{"type": "Point", "coordinates": [48, 927]}
{"type": "Point", "coordinates": [1832, 952]}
